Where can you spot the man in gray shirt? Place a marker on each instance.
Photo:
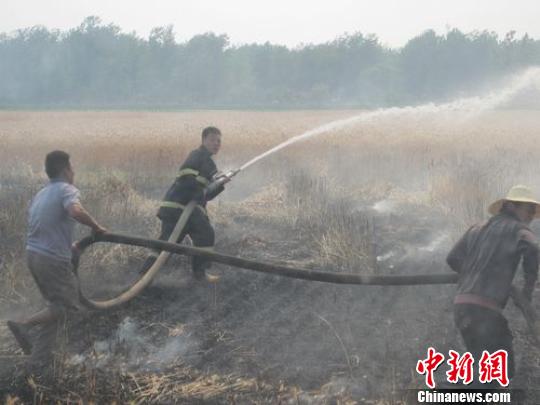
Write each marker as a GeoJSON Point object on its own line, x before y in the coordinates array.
{"type": "Point", "coordinates": [52, 216]}
{"type": "Point", "coordinates": [486, 259]}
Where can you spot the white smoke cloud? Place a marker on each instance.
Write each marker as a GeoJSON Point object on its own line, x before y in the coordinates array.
{"type": "Point", "coordinates": [131, 347]}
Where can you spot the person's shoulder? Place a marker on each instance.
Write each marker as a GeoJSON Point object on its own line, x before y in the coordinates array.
{"type": "Point", "coordinates": [67, 191]}
{"type": "Point", "coordinates": [202, 153]}
{"type": "Point", "coordinates": [51, 188]}
{"type": "Point", "coordinates": [525, 233]}
{"type": "Point", "coordinates": [193, 154]}
{"type": "Point", "coordinates": [67, 187]}
{"type": "Point", "coordinates": [42, 192]}
{"type": "Point", "coordinates": [194, 158]}
{"type": "Point", "coordinates": [477, 227]}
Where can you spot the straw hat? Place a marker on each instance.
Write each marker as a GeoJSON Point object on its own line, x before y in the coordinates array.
{"type": "Point", "coordinates": [516, 194]}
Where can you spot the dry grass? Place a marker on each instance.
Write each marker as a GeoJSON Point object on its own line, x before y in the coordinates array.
{"type": "Point", "coordinates": [126, 160]}
{"type": "Point", "coordinates": [179, 384]}
{"type": "Point", "coordinates": [319, 188]}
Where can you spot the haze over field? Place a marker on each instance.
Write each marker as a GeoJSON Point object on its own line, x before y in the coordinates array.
{"type": "Point", "coordinates": [195, 57]}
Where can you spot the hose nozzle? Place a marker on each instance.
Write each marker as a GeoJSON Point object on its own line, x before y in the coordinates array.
{"type": "Point", "coordinates": [221, 179]}
{"type": "Point", "coordinates": [231, 173]}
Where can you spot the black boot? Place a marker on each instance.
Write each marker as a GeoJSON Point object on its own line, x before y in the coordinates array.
{"type": "Point", "coordinates": [199, 267]}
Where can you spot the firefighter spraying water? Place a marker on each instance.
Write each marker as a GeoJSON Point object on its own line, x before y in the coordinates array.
{"type": "Point", "coordinates": [197, 182]}
{"type": "Point", "coordinates": [183, 211]}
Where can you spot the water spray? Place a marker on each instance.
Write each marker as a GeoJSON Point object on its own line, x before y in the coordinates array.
{"type": "Point", "coordinates": [473, 105]}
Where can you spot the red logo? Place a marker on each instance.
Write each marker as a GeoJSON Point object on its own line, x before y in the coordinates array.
{"type": "Point", "coordinates": [494, 367]}
{"type": "Point", "coordinates": [429, 365]}
{"type": "Point", "coordinates": [461, 368]}
{"type": "Point", "coordinates": [490, 367]}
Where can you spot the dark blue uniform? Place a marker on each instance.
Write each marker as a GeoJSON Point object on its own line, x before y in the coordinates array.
{"type": "Point", "coordinates": [195, 174]}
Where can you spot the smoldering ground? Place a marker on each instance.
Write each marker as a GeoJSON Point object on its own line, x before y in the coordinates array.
{"type": "Point", "coordinates": [384, 197]}
{"type": "Point", "coordinates": [331, 341]}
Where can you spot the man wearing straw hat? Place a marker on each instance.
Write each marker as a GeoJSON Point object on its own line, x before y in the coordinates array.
{"type": "Point", "coordinates": [487, 258]}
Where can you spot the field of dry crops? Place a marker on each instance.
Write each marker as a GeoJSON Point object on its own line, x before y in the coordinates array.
{"type": "Point", "coordinates": [388, 196]}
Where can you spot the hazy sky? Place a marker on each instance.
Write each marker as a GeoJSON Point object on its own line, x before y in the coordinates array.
{"type": "Point", "coordinates": [288, 22]}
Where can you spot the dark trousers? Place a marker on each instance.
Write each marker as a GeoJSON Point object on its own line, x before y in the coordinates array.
{"type": "Point", "coordinates": [484, 329]}
{"type": "Point", "coordinates": [200, 231]}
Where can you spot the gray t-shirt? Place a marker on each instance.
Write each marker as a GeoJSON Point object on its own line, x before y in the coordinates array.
{"type": "Point", "coordinates": [50, 228]}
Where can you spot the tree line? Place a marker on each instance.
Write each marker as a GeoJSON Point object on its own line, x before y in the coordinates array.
{"type": "Point", "coordinates": [96, 65]}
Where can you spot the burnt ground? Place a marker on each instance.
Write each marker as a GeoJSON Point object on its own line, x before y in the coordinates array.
{"type": "Point", "coordinates": [256, 338]}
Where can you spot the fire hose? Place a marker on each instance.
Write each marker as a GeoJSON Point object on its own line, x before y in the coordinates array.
{"type": "Point", "coordinates": [280, 270]}
{"type": "Point", "coordinates": [170, 246]}
{"type": "Point", "coordinates": [164, 254]}
{"type": "Point", "coordinates": [147, 278]}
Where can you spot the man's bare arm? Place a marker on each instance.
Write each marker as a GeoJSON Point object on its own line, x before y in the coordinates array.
{"type": "Point", "coordinates": [79, 214]}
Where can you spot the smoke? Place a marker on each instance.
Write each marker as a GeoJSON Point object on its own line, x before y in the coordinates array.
{"type": "Point", "coordinates": [133, 347]}
{"type": "Point", "coordinates": [469, 107]}
{"type": "Point", "coordinates": [436, 244]}
{"type": "Point", "coordinates": [384, 206]}
{"type": "Point", "coordinates": [432, 242]}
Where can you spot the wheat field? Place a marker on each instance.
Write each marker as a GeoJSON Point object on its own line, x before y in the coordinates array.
{"type": "Point", "coordinates": [440, 159]}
